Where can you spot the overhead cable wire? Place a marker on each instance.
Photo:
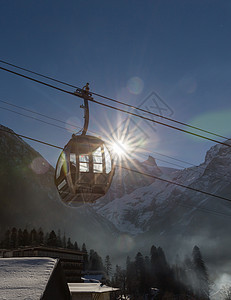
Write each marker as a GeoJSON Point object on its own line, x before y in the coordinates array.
{"type": "Point", "coordinates": [176, 159]}
{"type": "Point", "coordinates": [203, 209]}
{"type": "Point", "coordinates": [118, 102]}
{"type": "Point", "coordinates": [128, 169]}
{"type": "Point", "coordinates": [48, 144]}
{"type": "Point", "coordinates": [115, 108]}
{"type": "Point", "coordinates": [42, 115]}
{"type": "Point", "coordinates": [175, 183]}
{"type": "Point", "coordinates": [141, 173]}
{"type": "Point", "coordinates": [51, 124]}
{"type": "Point", "coordinates": [38, 74]}
{"type": "Point", "coordinates": [67, 123]}
{"type": "Point", "coordinates": [160, 116]}
{"type": "Point", "coordinates": [75, 126]}
{"type": "Point", "coordinates": [29, 138]}
{"type": "Point", "coordinates": [39, 114]}
{"type": "Point", "coordinates": [100, 134]}
{"type": "Point", "coordinates": [69, 130]}
{"type": "Point", "coordinates": [33, 118]}
{"type": "Point", "coordinates": [122, 110]}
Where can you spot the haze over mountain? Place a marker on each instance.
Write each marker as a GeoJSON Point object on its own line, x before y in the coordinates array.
{"type": "Point", "coordinates": [29, 197]}
{"type": "Point", "coordinates": [138, 211]}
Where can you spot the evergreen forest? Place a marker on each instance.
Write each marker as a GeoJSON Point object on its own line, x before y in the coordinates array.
{"type": "Point", "coordinates": [144, 277]}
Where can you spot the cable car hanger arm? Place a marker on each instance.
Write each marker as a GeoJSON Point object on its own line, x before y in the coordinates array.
{"type": "Point", "coordinates": [115, 108]}
{"type": "Point", "coordinates": [84, 93]}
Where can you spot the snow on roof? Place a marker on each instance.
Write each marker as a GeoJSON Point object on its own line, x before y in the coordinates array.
{"type": "Point", "coordinates": [89, 277]}
{"type": "Point", "coordinates": [24, 278]}
{"type": "Point", "coordinates": [90, 288]}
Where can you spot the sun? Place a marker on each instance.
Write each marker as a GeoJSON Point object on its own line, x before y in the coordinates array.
{"type": "Point", "coordinates": [119, 148]}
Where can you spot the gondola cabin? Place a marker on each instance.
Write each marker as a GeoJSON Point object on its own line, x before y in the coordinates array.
{"type": "Point", "coordinates": [84, 170]}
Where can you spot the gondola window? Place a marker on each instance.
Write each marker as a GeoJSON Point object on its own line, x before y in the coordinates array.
{"type": "Point", "coordinates": [97, 161]}
{"type": "Point", "coordinates": [84, 163]}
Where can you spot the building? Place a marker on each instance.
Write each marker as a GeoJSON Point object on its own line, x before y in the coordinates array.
{"type": "Point", "coordinates": [43, 278]}
{"type": "Point", "coordinates": [90, 291]}
{"type": "Point", "coordinates": [32, 278]}
{"type": "Point", "coordinates": [71, 260]}
{"type": "Point", "coordinates": [97, 276]}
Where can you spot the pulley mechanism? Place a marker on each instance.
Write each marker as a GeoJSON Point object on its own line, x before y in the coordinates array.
{"type": "Point", "coordinates": [86, 95]}
{"type": "Point", "coordinates": [84, 170]}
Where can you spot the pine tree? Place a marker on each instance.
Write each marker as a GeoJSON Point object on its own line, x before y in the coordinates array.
{"type": "Point", "coordinates": [180, 282]}
{"type": "Point", "coordinates": [95, 261]}
{"type": "Point", "coordinates": [52, 239]}
{"type": "Point", "coordinates": [85, 257]}
{"type": "Point", "coordinates": [76, 247]}
{"type": "Point", "coordinates": [165, 274]}
{"type": "Point", "coordinates": [25, 237]}
{"type": "Point", "coordinates": [108, 266]}
{"type": "Point", "coordinates": [64, 241]}
{"type": "Point", "coordinates": [119, 280]}
{"type": "Point", "coordinates": [70, 244]}
{"type": "Point", "coordinates": [201, 273]}
{"type": "Point", "coordinates": [140, 272]}
{"type": "Point", "coordinates": [59, 240]}
{"type": "Point", "coordinates": [33, 237]}
{"type": "Point", "coordinates": [147, 266]}
{"type": "Point", "coordinates": [84, 248]}
{"type": "Point", "coordinates": [131, 276]}
{"type": "Point", "coordinates": [14, 238]}
{"type": "Point", "coordinates": [20, 238]}
{"type": "Point", "coordinates": [40, 237]}
{"type": "Point", "coordinates": [6, 241]}
{"type": "Point", "coordinates": [187, 274]}
{"type": "Point", "coordinates": [153, 266]}
{"type": "Point", "coordinates": [161, 275]}
{"type": "Point", "coordinates": [46, 238]}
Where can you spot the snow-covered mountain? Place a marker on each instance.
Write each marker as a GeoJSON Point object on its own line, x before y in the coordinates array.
{"type": "Point", "coordinates": [138, 211]}
{"type": "Point", "coordinates": [157, 212]}
{"type": "Point", "coordinates": [135, 202]}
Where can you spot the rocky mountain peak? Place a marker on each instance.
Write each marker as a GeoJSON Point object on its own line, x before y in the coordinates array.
{"type": "Point", "coordinates": [11, 144]}
{"type": "Point", "coordinates": [136, 211]}
{"type": "Point", "coordinates": [218, 151]}
{"type": "Point", "coordinates": [150, 161]}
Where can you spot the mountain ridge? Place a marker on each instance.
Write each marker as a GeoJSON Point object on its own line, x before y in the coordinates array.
{"type": "Point", "coordinates": [137, 212]}
{"type": "Point", "coordinates": [29, 197]}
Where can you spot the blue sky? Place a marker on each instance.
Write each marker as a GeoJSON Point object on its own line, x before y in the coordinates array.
{"type": "Point", "coordinates": [126, 50]}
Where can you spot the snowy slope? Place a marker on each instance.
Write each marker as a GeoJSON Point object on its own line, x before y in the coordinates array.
{"type": "Point", "coordinates": [143, 208]}
{"type": "Point", "coordinates": [132, 212]}
{"type": "Point", "coordinates": [136, 210]}
{"type": "Point", "coordinates": [24, 278]}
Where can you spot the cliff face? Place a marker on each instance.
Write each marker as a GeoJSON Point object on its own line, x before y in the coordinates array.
{"type": "Point", "coordinates": [146, 205]}
{"type": "Point", "coordinates": [177, 218]}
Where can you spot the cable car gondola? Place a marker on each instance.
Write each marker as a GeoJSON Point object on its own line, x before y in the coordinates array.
{"type": "Point", "coordinates": [84, 170]}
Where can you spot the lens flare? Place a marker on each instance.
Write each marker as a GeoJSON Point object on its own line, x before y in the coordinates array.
{"type": "Point", "coordinates": [119, 148]}
{"type": "Point", "coordinates": [188, 84]}
{"type": "Point", "coordinates": [125, 243]}
{"type": "Point", "coordinates": [126, 141]}
{"type": "Point", "coordinates": [39, 165]}
{"type": "Point", "coordinates": [135, 85]}
{"type": "Point", "coordinates": [215, 121]}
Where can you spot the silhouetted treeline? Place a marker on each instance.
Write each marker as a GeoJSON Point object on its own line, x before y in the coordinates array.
{"type": "Point", "coordinates": [93, 262]}
{"type": "Point", "coordinates": [15, 238]}
{"type": "Point", "coordinates": [152, 277]}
